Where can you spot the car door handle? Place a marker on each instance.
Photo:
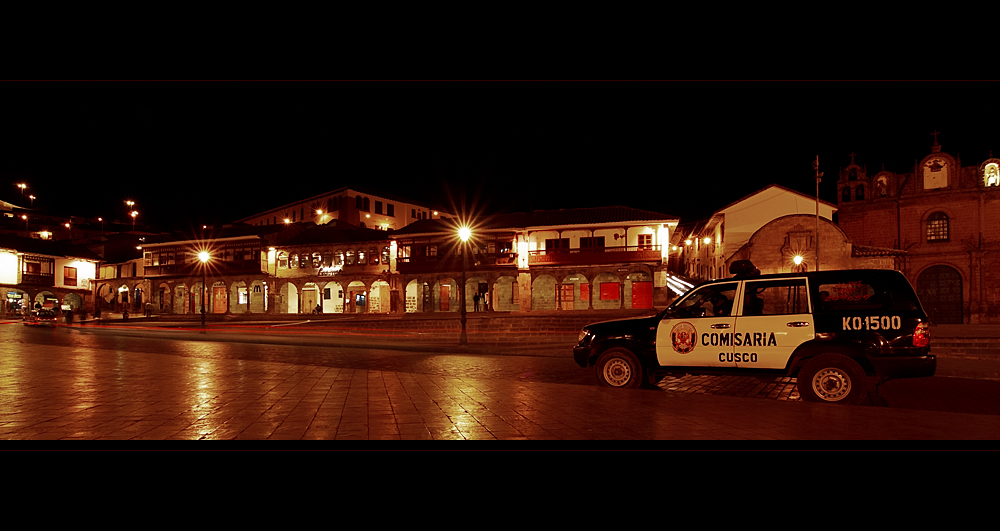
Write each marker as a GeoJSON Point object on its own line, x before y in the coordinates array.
{"type": "Point", "coordinates": [717, 326]}
{"type": "Point", "coordinates": [797, 324]}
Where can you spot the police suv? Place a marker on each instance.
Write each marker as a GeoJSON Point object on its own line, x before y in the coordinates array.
{"type": "Point", "coordinates": [830, 329]}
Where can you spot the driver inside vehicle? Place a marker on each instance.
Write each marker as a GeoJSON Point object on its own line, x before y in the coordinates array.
{"type": "Point", "coordinates": [721, 305]}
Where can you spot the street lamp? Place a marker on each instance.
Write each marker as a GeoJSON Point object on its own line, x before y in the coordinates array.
{"type": "Point", "coordinates": [203, 256]}
{"type": "Point", "coordinates": [464, 233]}
{"type": "Point", "coordinates": [22, 186]}
{"type": "Point", "coordinates": [133, 214]}
{"type": "Point", "coordinates": [32, 198]}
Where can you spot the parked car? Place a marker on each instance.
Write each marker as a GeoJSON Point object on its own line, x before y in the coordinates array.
{"type": "Point", "coordinates": [829, 329]}
{"type": "Point", "coordinates": [42, 317]}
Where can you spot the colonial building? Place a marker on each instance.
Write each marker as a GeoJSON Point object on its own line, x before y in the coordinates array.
{"type": "Point", "coordinates": [572, 259]}
{"type": "Point", "coordinates": [361, 207]}
{"type": "Point", "coordinates": [707, 248]}
{"type": "Point", "coordinates": [776, 229]}
{"type": "Point", "coordinates": [603, 258]}
{"type": "Point", "coordinates": [276, 269]}
{"type": "Point", "coordinates": [53, 274]}
{"type": "Point", "coordinates": [945, 216]}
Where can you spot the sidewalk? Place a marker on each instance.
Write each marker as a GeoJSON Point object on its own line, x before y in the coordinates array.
{"type": "Point", "coordinates": [70, 393]}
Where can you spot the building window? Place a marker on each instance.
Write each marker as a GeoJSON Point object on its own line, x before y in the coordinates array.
{"type": "Point", "coordinates": [859, 193]}
{"type": "Point", "coordinates": [378, 207]}
{"type": "Point", "coordinates": [390, 210]}
{"type": "Point", "coordinates": [937, 227]}
{"type": "Point", "coordinates": [592, 243]}
{"type": "Point", "coordinates": [69, 276]}
{"type": "Point", "coordinates": [359, 203]}
{"type": "Point", "coordinates": [368, 205]}
{"type": "Point", "coordinates": [845, 197]}
{"type": "Point", "coordinates": [645, 241]}
{"type": "Point", "coordinates": [413, 213]}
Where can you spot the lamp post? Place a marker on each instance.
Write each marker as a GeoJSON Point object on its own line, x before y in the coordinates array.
{"type": "Point", "coordinates": [22, 186]}
{"type": "Point", "coordinates": [32, 198]}
{"type": "Point", "coordinates": [203, 256]}
{"type": "Point", "coordinates": [133, 214]}
{"type": "Point", "coordinates": [464, 233]}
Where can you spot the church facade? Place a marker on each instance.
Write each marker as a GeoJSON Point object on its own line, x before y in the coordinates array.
{"type": "Point", "coordinates": [945, 216]}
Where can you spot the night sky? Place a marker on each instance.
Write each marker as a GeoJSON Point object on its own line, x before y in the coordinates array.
{"type": "Point", "coordinates": [212, 152]}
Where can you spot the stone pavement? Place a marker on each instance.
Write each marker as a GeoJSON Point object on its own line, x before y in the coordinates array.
{"type": "Point", "coordinates": [70, 393]}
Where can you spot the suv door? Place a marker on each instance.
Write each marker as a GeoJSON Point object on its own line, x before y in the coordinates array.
{"type": "Point", "coordinates": [774, 319]}
{"type": "Point", "coordinates": [696, 331]}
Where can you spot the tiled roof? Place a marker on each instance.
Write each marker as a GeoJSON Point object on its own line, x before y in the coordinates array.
{"type": "Point", "coordinates": [544, 218]}
{"type": "Point", "coordinates": [47, 247]}
{"type": "Point", "coordinates": [865, 250]}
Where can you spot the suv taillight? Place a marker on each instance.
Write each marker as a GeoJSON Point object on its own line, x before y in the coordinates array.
{"type": "Point", "coordinates": [922, 335]}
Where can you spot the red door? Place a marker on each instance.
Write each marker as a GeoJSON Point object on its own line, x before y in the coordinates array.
{"type": "Point", "coordinates": [219, 302]}
{"type": "Point", "coordinates": [566, 296]}
{"type": "Point", "coordinates": [445, 297]}
{"type": "Point", "coordinates": [642, 294]}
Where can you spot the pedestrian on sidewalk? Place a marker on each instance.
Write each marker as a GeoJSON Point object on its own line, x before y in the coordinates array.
{"type": "Point", "coordinates": [149, 309]}
{"type": "Point", "coordinates": [475, 302]}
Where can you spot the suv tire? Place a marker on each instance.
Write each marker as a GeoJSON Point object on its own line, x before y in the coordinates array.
{"type": "Point", "coordinates": [833, 379]}
{"type": "Point", "coordinates": [618, 367]}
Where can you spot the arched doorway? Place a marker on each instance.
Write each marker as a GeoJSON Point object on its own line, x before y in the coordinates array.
{"type": "Point", "coordinates": [940, 291]}
{"type": "Point", "coordinates": [357, 297]}
{"type": "Point", "coordinates": [74, 301]}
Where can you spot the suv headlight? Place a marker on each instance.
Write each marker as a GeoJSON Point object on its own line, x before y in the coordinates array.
{"type": "Point", "coordinates": [584, 337]}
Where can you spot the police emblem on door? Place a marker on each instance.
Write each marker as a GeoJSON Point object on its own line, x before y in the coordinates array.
{"type": "Point", "coordinates": [683, 336]}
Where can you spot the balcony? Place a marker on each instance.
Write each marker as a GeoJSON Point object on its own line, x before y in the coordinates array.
{"type": "Point", "coordinates": [194, 269]}
{"type": "Point", "coordinates": [38, 279]}
{"type": "Point", "coordinates": [596, 256]}
{"type": "Point", "coordinates": [477, 261]}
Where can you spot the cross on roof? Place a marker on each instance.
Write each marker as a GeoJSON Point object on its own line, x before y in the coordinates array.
{"type": "Point", "coordinates": [935, 133]}
{"type": "Point", "coordinates": [852, 157]}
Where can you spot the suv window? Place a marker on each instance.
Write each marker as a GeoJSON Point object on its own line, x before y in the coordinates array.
{"type": "Point", "coordinates": [883, 292]}
{"type": "Point", "coordinates": [715, 300]}
{"type": "Point", "coordinates": [776, 297]}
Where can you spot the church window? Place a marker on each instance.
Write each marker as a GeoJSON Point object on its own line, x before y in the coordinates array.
{"type": "Point", "coordinates": [882, 186]}
{"type": "Point", "coordinates": [852, 175]}
{"type": "Point", "coordinates": [846, 195]}
{"type": "Point", "coordinates": [859, 193]}
{"type": "Point", "coordinates": [992, 174]}
{"type": "Point", "coordinates": [937, 227]}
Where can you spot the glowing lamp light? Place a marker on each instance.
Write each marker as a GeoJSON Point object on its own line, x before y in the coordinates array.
{"type": "Point", "coordinates": [319, 212]}
{"type": "Point", "coordinates": [203, 256]}
{"type": "Point", "coordinates": [708, 240]}
{"type": "Point", "coordinates": [797, 259]}
{"type": "Point", "coordinates": [287, 221]}
{"type": "Point", "coordinates": [688, 242]}
{"type": "Point", "coordinates": [464, 233]}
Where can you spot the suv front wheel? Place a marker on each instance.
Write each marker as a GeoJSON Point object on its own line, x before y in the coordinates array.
{"type": "Point", "coordinates": [832, 378]}
{"type": "Point", "coordinates": [618, 367]}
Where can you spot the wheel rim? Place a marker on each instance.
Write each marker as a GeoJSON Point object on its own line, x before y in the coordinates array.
{"type": "Point", "coordinates": [831, 385]}
{"type": "Point", "coordinates": [617, 372]}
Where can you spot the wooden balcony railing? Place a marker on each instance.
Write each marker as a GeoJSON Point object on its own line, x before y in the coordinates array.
{"type": "Point", "coordinates": [596, 255]}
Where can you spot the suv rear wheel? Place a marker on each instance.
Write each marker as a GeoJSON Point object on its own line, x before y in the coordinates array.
{"type": "Point", "coordinates": [618, 367]}
{"type": "Point", "coordinates": [832, 378]}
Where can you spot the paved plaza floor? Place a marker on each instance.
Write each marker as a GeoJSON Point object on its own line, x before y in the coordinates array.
{"type": "Point", "coordinates": [71, 393]}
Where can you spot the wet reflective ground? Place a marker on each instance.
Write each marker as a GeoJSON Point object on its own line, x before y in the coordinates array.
{"type": "Point", "coordinates": [939, 394]}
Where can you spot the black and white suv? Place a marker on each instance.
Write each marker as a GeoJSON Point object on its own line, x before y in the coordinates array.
{"type": "Point", "coordinates": [830, 329]}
